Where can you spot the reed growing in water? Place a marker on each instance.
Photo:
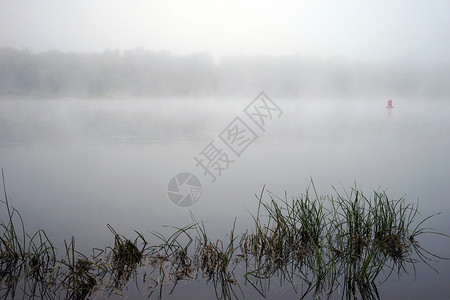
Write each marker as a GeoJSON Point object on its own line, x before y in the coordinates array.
{"type": "Point", "coordinates": [328, 243]}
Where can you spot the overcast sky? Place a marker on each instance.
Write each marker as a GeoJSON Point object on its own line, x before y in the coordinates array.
{"type": "Point", "coordinates": [358, 30]}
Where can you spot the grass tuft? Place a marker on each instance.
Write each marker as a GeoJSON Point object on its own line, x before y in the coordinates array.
{"type": "Point", "coordinates": [317, 245]}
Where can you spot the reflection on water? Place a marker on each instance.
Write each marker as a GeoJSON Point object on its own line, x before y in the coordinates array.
{"type": "Point", "coordinates": [332, 246]}
{"type": "Point", "coordinates": [74, 166]}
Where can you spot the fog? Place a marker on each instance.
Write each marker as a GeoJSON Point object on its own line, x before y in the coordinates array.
{"type": "Point", "coordinates": [361, 30]}
{"type": "Point", "coordinates": [145, 74]}
{"type": "Point", "coordinates": [103, 102]}
{"type": "Point", "coordinates": [335, 63]}
{"type": "Point", "coordinates": [150, 49]}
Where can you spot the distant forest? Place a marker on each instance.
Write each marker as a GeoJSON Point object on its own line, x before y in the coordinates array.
{"type": "Point", "coordinates": [145, 74]}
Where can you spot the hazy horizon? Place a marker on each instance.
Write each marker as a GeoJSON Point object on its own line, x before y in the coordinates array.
{"type": "Point", "coordinates": [359, 31]}
{"type": "Point", "coordinates": [146, 74]}
{"type": "Point", "coordinates": [137, 48]}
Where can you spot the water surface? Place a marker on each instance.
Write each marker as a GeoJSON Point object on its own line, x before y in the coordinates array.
{"type": "Point", "coordinates": [73, 165]}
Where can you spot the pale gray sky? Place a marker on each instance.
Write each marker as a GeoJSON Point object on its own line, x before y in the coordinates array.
{"type": "Point", "coordinates": [360, 30]}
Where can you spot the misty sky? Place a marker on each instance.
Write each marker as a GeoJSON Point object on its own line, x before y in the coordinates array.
{"type": "Point", "coordinates": [360, 30]}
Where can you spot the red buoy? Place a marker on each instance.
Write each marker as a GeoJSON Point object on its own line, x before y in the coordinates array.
{"type": "Point", "coordinates": [389, 104]}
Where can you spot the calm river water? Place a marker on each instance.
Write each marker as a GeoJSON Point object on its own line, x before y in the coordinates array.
{"type": "Point", "coordinates": [73, 166]}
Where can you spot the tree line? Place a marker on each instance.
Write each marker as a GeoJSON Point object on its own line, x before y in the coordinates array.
{"type": "Point", "coordinates": [147, 74]}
